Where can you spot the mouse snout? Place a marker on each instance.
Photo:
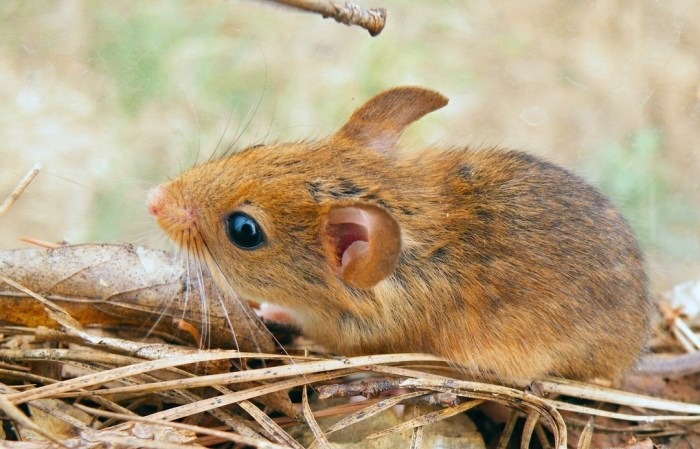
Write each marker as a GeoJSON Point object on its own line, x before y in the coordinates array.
{"type": "Point", "coordinates": [172, 211]}
{"type": "Point", "coordinates": [154, 200]}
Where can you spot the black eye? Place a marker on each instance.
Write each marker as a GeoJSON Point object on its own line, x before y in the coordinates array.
{"type": "Point", "coordinates": [243, 231]}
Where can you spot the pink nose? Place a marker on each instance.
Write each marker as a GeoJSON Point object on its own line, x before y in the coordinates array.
{"type": "Point", "coordinates": [154, 200]}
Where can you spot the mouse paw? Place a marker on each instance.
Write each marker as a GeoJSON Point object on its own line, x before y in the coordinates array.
{"type": "Point", "coordinates": [271, 312]}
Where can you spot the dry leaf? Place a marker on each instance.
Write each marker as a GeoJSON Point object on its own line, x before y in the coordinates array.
{"type": "Point", "coordinates": [53, 423]}
{"type": "Point", "coordinates": [163, 433]}
{"type": "Point", "coordinates": [124, 285]}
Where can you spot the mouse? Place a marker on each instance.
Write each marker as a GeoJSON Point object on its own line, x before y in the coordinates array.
{"type": "Point", "coordinates": [497, 260]}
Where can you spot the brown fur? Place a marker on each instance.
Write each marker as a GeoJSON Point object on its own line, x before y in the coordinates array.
{"type": "Point", "coordinates": [507, 263]}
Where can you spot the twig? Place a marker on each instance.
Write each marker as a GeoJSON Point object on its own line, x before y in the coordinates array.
{"type": "Point", "coordinates": [56, 312]}
{"type": "Point", "coordinates": [105, 377]}
{"type": "Point", "coordinates": [508, 431]}
{"type": "Point", "coordinates": [566, 406]}
{"type": "Point", "coordinates": [504, 395]}
{"type": "Point", "coordinates": [682, 339]}
{"type": "Point", "coordinates": [31, 174]}
{"type": "Point", "coordinates": [320, 436]}
{"type": "Point", "coordinates": [190, 329]}
{"type": "Point", "coordinates": [41, 243]}
{"type": "Point", "coordinates": [428, 418]}
{"type": "Point", "coordinates": [15, 414]}
{"type": "Point", "coordinates": [584, 441]}
{"type": "Point", "coordinates": [528, 428]}
{"type": "Point", "coordinates": [542, 436]}
{"type": "Point", "coordinates": [269, 373]}
{"type": "Point", "coordinates": [594, 393]}
{"type": "Point", "coordinates": [372, 20]}
{"type": "Point", "coordinates": [227, 436]}
{"type": "Point", "coordinates": [372, 410]}
{"type": "Point", "coordinates": [267, 423]}
{"type": "Point", "coordinates": [368, 389]}
{"type": "Point", "coordinates": [374, 388]}
{"type": "Point", "coordinates": [687, 333]}
{"type": "Point", "coordinates": [417, 434]}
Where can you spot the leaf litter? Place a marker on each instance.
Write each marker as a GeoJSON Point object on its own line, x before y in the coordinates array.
{"type": "Point", "coordinates": [92, 389]}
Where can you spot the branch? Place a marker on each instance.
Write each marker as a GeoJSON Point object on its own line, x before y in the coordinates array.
{"type": "Point", "coordinates": [5, 206]}
{"type": "Point", "coordinates": [373, 20]}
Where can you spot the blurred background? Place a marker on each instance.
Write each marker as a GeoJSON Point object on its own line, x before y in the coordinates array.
{"type": "Point", "coordinates": [114, 97]}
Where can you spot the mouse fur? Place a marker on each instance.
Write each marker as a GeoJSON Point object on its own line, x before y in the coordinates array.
{"type": "Point", "coordinates": [495, 259]}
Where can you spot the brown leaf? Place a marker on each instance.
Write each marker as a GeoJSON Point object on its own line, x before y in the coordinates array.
{"type": "Point", "coordinates": [58, 423]}
{"type": "Point", "coordinates": [163, 433]}
{"type": "Point", "coordinates": [428, 418]}
{"type": "Point", "coordinates": [636, 444]}
{"type": "Point", "coordinates": [125, 285]}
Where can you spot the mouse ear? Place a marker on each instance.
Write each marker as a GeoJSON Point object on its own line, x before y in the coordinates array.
{"type": "Point", "coordinates": [361, 242]}
{"type": "Point", "coordinates": [379, 123]}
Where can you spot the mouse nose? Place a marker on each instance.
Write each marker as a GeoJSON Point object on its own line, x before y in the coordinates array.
{"type": "Point", "coordinates": [154, 200]}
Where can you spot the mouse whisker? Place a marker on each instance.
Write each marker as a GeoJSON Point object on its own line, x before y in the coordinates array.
{"type": "Point", "coordinates": [212, 264]}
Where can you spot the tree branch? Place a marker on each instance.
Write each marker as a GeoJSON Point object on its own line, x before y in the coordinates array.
{"type": "Point", "coordinates": [372, 20]}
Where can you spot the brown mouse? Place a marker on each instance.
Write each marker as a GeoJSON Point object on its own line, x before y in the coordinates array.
{"type": "Point", "coordinates": [494, 259]}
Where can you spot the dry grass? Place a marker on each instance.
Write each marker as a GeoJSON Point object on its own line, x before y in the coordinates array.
{"type": "Point", "coordinates": [73, 388]}
{"type": "Point", "coordinates": [103, 397]}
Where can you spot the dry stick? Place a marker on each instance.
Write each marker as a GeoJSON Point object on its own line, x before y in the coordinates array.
{"type": "Point", "coordinates": [321, 439]}
{"type": "Point", "coordinates": [16, 415]}
{"type": "Point", "coordinates": [55, 311]}
{"type": "Point", "coordinates": [79, 356]}
{"type": "Point", "coordinates": [372, 410]}
{"type": "Point", "coordinates": [267, 423]}
{"type": "Point", "coordinates": [428, 418]}
{"type": "Point", "coordinates": [50, 409]}
{"type": "Point", "coordinates": [576, 421]}
{"type": "Point", "coordinates": [89, 380]}
{"type": "Point", "coordinates": [204, 405]}
{"type": "Point", "coordinates": [54, 354]}
{"type": "Point", "coordinates": [584, 441]}
{"type": "Point", "coordinates": [58, 355]}
{"type": "Point", "coordinates": [229, 436]}
{"type": "Point", "coordinates": [542, 436]}
{"type": "Point", "coordinates": [117, 440]}
{"type": "Point", "coordinates": [585, 391]}
{"type": "Point", "coordinates": [508, 430]}
{"type": "Point", "coordinates": [19, 189]}
{"type": "Point", "coordinates": [365, 388]}
{"type": "Point", "coordinates": [231, 420]}
{"type": "Point", "coordinates": [502, 395]}
{"type": "Point", "coordinates": [417, 433]}
{"type": "Point", "coordinates": [595, 393]}
{"type": "Point", "coordinates": [372, 20]}
{"type": "Point", "coordinates": [374, 388]}
{"type": "Point", "coordinates": [40, 243]}
{"type": "Point", "coordinates": [621, 416]}
{"type": "Point", "coordinates": [682, 339]}
{"type": "Point", "coordinates": [528, 429]}
{"type": "Point", "coordinates": [358, 363]}
{"type": "Point", "coordinates": [687, 333]}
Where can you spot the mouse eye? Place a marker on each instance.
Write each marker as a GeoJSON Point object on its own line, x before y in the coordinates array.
{"type": "Point", "coordinates": [243, 231]}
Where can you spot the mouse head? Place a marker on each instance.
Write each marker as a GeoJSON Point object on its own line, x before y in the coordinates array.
{"type": "Point", "coordinates": [287, 222]}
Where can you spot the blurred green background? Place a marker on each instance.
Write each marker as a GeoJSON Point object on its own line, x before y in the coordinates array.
{"type": "Point", "coordinates": [114, 97]}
